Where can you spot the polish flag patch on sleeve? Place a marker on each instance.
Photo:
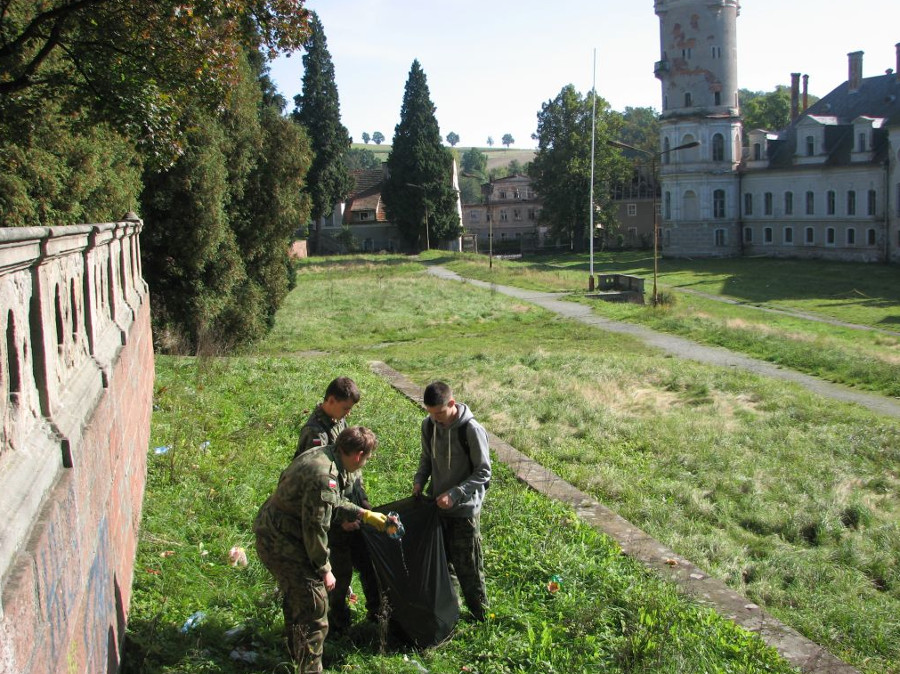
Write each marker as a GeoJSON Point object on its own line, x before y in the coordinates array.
{"type": "Point", "coordinates": [332, 484]}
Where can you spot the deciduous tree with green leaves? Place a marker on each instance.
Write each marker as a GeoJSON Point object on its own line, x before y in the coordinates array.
{"type": "Point", "coordinates": [561, 169]}
{"type": "Point", "coordinates": [420, 170]}
{"type": "Point", "coordinates": [140, 66]}
{"type": "Point", "coordinates": [378, 138]}
{"type": "Point", "coordinates": [318, 110]}
{"type": "Point", "coordinates": [453, 138]}
{"type": "Point", "coordinates": [507, 139]}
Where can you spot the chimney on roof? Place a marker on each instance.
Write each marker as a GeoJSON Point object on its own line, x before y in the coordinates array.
{"type": "Point", "coordinates": [795, 96]}
{"type": "Point", "coordinates": [805, 93]}
{"type": "Point", "coordinates": [854, 78]}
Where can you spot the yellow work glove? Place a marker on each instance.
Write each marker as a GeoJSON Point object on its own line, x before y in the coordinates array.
{"type": "Point", "coordinates": [375, 520]}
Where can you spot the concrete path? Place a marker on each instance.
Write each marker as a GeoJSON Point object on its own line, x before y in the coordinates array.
{"type": "Point", "coordinates": [684, 348]}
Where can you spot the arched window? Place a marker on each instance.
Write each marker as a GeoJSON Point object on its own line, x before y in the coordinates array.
{"type": "Point", "coordinates": [718, 147]}
{"type": "Point", "coordinates": [691, 209]}
{"type": "Point", "coordinates": [688, 101]}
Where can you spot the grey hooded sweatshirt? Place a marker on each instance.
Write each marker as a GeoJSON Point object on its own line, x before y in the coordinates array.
{"type": "Point", "coordinates": [444, 460]}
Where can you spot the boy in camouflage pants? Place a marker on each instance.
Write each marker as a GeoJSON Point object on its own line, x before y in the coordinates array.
{"type": "Point", "coordinates": [292, 536]}
{"type": "Point", "coordinates": [348, 550]}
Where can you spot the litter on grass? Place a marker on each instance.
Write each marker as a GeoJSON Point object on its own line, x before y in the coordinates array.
{"type": "Point", "coordinates": [192, 622]}
{"type": "Point", "coordinates": [238, 556]}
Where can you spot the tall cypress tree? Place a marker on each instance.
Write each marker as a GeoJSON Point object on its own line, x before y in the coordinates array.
{"type": "Point", "coordinates": [318, 109]}
{"type": "Point", "coordinates": [418, 158]}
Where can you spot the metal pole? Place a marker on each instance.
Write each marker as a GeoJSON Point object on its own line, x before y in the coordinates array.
{"type": "Point", "coordinates": [591, 200]}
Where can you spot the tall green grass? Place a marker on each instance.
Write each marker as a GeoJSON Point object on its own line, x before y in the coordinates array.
{"type": "Point", "coordinates": [225, 428]}
{"type": "Point", "coordinates": [868, 295]}
{"type": "Point", "coordinates": [791, 498]}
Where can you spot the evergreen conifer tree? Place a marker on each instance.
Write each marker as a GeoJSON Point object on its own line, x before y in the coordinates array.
{"type": "Point", "coordinates": [419, 158]}
{"type": "Point", "coordinates": [318, 110]}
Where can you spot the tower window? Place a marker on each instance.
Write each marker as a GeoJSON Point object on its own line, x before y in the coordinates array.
{"type": "Point", "coordinates": [718, 146]}
{"type": "Point", "coordinates": [688, 101]}
{"type": "Point", "coordinates": [718, 97]}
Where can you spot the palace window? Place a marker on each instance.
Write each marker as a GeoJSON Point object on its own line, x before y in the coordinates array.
{"type": "Point", "coordinates": [851, 236]}
{"type": "Point", "coordinates": [788, 203]}
{"type": "Point", "coordinates": [748, 204]}
{"type": "Point", "coordinates": [748, 234]}
{"type": "Point", "coordinates": [767, 235]}
{"type": "Point", "coordinates": [810, 203]}
{"type": "Point", "coordinates": [719, 204]}
{"type": "Point", "coordinates": [872, 202]}
{"type": "Point", "coordinates": [720, 237]}
{"type": "Point", "coordinates": [851, 202]}
{"type": "Point", "coordinates": [829, 236]}
{"type": "Point", "coordinates": [829, 202]}
{"type": "Point", "coordinates": [767, 203]}
{"type": "Point", "coordinates": [810, 235]}
{"type": "Point", "coordinates": [632, 209]}
{"type": "Point", "coordinates": [789, 235]}
{"type": "Point", "coordinates": [870, 237]}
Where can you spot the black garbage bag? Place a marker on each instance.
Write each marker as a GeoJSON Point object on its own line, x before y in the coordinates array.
{"type": "Point", "coordinates": [413, 573]}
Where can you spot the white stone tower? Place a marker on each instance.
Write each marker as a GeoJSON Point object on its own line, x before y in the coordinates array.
{"type": "Point", "coordinates": [698, 72]}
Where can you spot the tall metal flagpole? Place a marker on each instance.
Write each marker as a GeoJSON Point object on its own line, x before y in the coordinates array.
{"type": "Point", "coordinates": [593, 131]}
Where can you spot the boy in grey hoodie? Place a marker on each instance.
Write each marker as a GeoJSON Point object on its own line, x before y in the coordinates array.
{"type": "Point", "coordinates": [455, 457]}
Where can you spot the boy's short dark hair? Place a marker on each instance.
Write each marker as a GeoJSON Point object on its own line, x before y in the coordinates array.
{"type": "Point", "coordinates": [437, 394]}
{"type": "Point", "coordinates": [343, 388]}
{"type": "Point", "coordinates": [356, 439]}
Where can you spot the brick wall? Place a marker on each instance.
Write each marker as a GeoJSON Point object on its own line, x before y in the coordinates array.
{"type": "Point", "coordinates": [76, 386]}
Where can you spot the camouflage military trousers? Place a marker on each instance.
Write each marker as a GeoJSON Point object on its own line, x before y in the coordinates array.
{"type": "Point", "coordinates": [305, 605]}
{"type": "Point", "coordinates": [462, 542]}
{"type": "Point", "coordinates": [347, 552]}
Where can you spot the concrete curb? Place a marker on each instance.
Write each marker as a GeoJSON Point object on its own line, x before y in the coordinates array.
{"type": "Point", "coordinates": [794, 647]}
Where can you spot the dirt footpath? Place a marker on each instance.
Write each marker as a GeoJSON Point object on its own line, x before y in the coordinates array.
{"type": "Point", "coordinates": [684, 348]}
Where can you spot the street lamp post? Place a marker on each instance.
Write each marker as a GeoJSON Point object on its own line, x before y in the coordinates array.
{"type": "Point", "coordinates": [425, 202]}
{"type": "Point", "coordinates": [654, 157]}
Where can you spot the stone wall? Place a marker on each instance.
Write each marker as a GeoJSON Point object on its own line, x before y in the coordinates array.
{"type": "Point", "coordinates": [76, 387]}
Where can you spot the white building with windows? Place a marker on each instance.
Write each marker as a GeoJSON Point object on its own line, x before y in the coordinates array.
{"type": "Point", "coordinates": [826, 186]}
{"type": "Point", "coordinates": [509, 212]}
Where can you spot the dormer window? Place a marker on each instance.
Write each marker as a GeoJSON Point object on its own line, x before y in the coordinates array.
{"type": "Point", "coordinates": [757, 151]}
{"type": "Point", "coordinates": [861, 144]}
{"type": "Point", "coordinates": [810, 146]}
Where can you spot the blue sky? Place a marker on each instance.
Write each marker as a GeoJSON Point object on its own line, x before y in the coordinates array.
{"type": "Point", "coordinates": [490, 64]}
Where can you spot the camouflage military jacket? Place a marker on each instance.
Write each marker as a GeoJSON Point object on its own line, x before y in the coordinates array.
{"type": "Point", "coordinates": [321, 430]}
{"type": "Point", "coordinates": [298, 515]}
{"type": "Point", "coordinates": [318, 431]}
